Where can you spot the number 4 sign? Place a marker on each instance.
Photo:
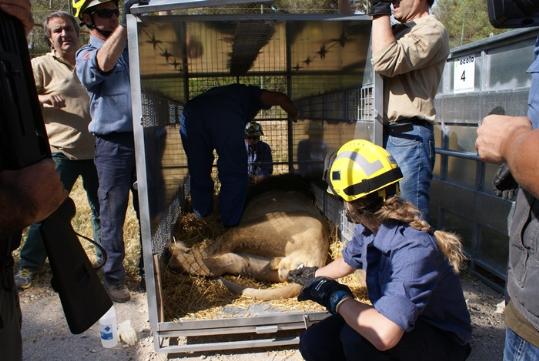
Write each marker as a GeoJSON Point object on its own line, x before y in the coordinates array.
{"type": "Point", "coordinates": [464, 74]}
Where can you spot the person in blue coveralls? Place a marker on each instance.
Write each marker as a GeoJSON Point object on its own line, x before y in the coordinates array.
{"type": "Point", "coordinates": [259, 159]}
{"type": "Point", "coordinates": [417, 309]}
{"type": "Point", "coordinates": [215, 120]}
{"type": "Point", "coordinates": [102, 66]}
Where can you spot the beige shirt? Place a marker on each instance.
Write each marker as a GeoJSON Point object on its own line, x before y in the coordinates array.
{"type": "Point", "coordinates": [67, 128]}
{"type": "Point", "coordinates": [412, 68]}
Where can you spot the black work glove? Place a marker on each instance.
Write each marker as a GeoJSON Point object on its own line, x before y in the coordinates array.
{"type": "Point", "coordinates": [326, 292]}
{"type": "Point", "coordinates": [127, 9]}
{"type": "Point", "coordinates": [505, 185]}
{"type": "Point", "coordinates": [303, 275]}
{"type": "Point", "coordinates": [380, 7]}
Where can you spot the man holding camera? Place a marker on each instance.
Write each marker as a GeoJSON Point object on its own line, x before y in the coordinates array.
{"type": "Point", "coordinates": [410, 56]}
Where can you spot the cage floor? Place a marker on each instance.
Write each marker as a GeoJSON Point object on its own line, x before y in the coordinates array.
{"type": "Point", "coordinates": [196, 297]}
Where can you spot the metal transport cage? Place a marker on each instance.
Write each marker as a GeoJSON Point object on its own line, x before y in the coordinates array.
{"type": "Point", "coordinates": [321, 61]}
{"type": "Point", "coordinates": [487, 76]}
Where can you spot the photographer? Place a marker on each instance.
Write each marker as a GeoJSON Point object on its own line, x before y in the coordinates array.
{"type": "Point", "coordinates": [27, 195]}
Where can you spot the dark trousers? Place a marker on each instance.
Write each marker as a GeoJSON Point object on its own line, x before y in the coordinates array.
{"type": "Point", "coordinates": [201, 134]}
{"type": "Point", "coordinates": [115, 163]}
{"type": "Point", "coordinates": [33, 253]}
{"type": "Point", "coordinates": [332, 339]}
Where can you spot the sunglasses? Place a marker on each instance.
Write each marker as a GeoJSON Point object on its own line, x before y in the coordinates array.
{"type": "Point", "coordinates": [252, 137]}
{"type": "Point", "coordinates": [106, 13]}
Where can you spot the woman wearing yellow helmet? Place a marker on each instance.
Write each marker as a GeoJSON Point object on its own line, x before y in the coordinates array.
{"type": "Point", "coordinates": [418, 310]}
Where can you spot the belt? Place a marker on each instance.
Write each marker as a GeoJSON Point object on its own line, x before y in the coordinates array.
{"type": "Point", "coordinates": [405, 124]}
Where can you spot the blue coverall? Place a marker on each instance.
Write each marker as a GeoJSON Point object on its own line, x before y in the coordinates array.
{"type": "Point", "coordinates": [216, 120]}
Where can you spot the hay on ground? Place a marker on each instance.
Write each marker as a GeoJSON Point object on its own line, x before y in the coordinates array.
{"type": "Point", "coordinates": [193, 297]}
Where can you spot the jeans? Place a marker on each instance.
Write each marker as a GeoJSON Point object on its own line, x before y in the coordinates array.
{"type": "Point", "coordinates": [332, 340]}
{"type": "Point", "coordinates": [413, 150]}
{"type": "Point", "coordinates": [33, 253]}
{"type": "Point", "coordinates": [115, 163]}
{"type": "Point", "coordinates": [518, 349]}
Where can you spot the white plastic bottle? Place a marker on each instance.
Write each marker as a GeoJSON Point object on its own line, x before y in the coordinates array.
{"type": "Point", "coordinates": [108, 328]}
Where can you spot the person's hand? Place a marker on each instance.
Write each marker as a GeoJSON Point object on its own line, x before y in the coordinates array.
{"type": "Point", "coordinates": [302, 275]}
{"type": "Point", "coordinates": [21, 9]}
{"type": "Point", "coordinates": [495, 133]}
{"type": "Point", "coordinates": [54, 100]}
{"type": "Point", "coordinates": [35, 191]}
{"type": "Point", "coordinates": [380, 8]}
{"type": "Point", "coordinates": [42, 185]}
{"type": "Point", "coordinates": [326, 292]}
{"type": "Point", "coordinates": [127, 10]}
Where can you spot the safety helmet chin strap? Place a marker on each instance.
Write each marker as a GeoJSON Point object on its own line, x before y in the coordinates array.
{"type": "Point", "coordinates": [105, 33]}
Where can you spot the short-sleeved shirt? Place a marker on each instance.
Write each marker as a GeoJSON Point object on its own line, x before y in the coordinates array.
{"type": "Point", "coordinates": [110, 92]}
{"type": "Point", "coordinates": [533, 97]}
{"type": "Point", "coordinates": [67, 127]}
{"type": "Point", "coordinates": [412, 68]}
{"type": "Point", "coordinates": [409, 278]}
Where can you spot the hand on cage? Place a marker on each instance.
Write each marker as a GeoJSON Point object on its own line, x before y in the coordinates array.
{"type": "Point", "coordinates": [127, 9]}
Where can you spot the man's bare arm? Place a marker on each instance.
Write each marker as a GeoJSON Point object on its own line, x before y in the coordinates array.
{"type": "Point", "coordinates": [110, 52]}
{"type": "Point", "coordinates": [381, 34]}
{"type": "Point", "coordinates": [276, 98]}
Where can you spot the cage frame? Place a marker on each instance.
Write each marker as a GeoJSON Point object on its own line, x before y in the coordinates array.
{"type": "Point", "coordinates": [268, 324]}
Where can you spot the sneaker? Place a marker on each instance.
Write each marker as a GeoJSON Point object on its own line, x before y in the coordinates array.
{"type": "Point", "coordinates": [118, 292]}
{"type": "Point", "coordinates": [23, 278]}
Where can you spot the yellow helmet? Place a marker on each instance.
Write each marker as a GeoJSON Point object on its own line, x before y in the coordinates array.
{"type": "Point", "coordinates": [361, 168]}
{"type": "Point", "coordinates": [80, 6]}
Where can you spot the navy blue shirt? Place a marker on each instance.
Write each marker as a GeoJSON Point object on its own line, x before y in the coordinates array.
{"type": "Point", "coordinates": [409, 278]}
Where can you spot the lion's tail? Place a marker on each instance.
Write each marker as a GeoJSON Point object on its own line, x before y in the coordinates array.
{"type": "Point", "coordinates": [265, 294]}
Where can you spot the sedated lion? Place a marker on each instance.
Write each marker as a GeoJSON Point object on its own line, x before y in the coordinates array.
{"type": "Point", "coordinates": [281, 229]}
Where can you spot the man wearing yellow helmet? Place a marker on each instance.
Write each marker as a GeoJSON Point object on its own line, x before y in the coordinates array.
{"type": "Point", "coordinates": [103, 68]}
{"type": "Point", "coordinates": [418, 310]}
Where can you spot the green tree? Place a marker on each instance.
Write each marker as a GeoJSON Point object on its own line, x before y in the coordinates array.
{"type": "Point", "coordinates": [465, 20]}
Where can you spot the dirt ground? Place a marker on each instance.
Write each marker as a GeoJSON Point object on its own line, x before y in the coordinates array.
{"type": "Point", "coordinates": [47, 337]}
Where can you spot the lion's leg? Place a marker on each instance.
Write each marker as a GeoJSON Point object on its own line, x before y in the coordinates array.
{"type": "Point", "coordinates": [259, 268]}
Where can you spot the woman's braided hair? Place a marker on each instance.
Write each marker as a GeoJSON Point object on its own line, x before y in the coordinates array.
{"type": "Point", "coordinates": [397, 209]}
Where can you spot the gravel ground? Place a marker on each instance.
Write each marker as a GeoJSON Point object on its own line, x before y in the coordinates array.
{"type": "Point", "coordinates": [47, 337]}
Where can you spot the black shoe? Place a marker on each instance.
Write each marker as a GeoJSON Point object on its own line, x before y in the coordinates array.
{"type": "Point", "coordinates": [118, 292]}
{"type": "Point", "coordinates": [142, 285]}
